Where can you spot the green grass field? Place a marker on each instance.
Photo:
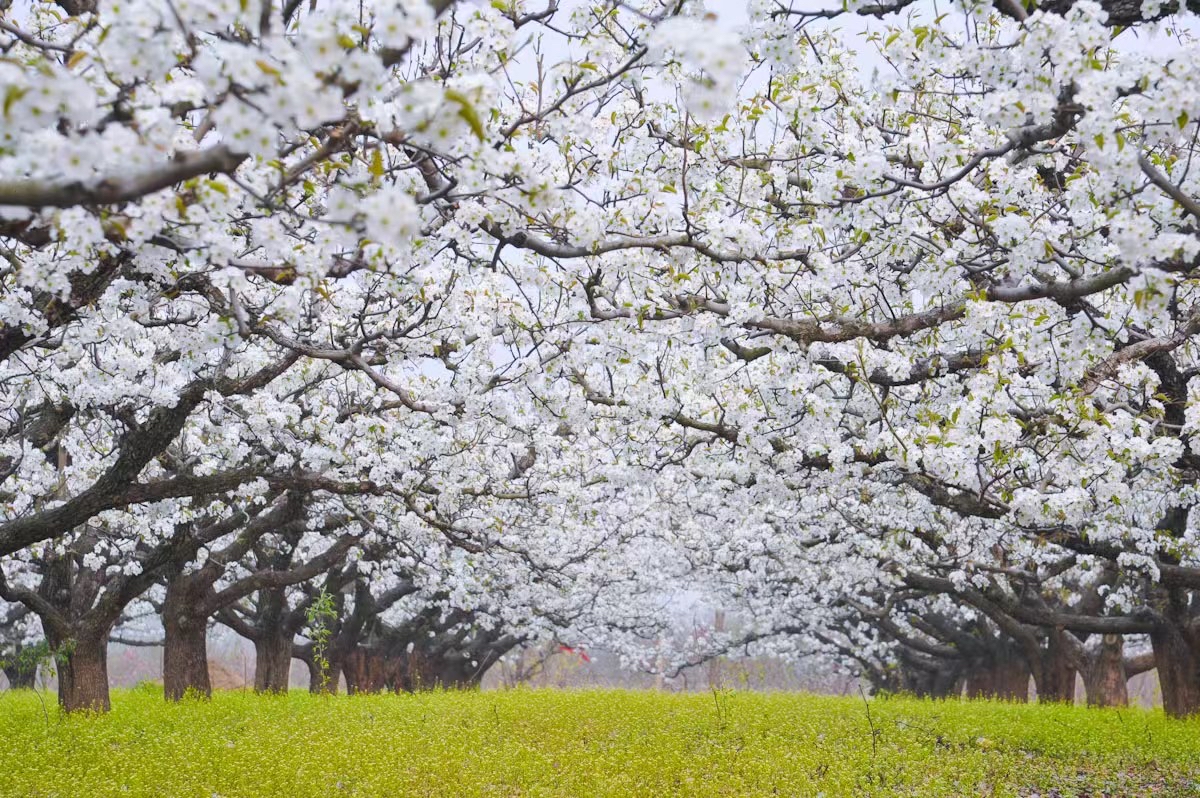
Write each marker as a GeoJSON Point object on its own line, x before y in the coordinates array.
{"type": "Point", "coordinates": [551, 743]}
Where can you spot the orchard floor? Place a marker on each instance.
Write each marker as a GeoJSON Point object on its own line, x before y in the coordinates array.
{"type": "Point", "coordinates": [588, 743]}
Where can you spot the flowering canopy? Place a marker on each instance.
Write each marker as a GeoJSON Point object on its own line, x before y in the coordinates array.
{"type": "Point", "coordinates": [555, 308]}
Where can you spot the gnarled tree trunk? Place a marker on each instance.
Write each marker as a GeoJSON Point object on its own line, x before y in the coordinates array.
{"type": "Point", "coordinates": [946, 683]}
{"type": "Point", "coordinates": [458, 674]}
{"type": "Point", "coordinates": [925, 677]}
{"type": "Point", "coordinates": [320, 680]}
{"type": "Point", "coordinates": [1013, 683]}
{"type": "Point", "coordinates": [1104, 677]}
{"type": "Point", "coordinates": [352, 669]}
{"type": "Point", "coordinates": [82, 668]}
{"type": "Point", "coordinates": [20, 678]}
{"type": "Point", "coordinates": [273, 644]}
{"type": "Point", "coordinates": [366, 671]}
{"type": "Point", "coordinates": [1055, 681]}
{"type": "Point", "coordinates": [1178, 667]}
{"type": "Point", "coordinates": [273, 662]}
{"type": "Point", "coordinates": [185, 644]}
{"type": "Point", "coordinates": [1006, 678]}
{"type": "Point", "coordinates": [415, 671]}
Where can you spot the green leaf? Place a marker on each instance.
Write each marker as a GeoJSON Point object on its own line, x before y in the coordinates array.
{"type": "Point", "coordinates": [11, 95]}
{"type": "Point", "coordinates": [467, 111]}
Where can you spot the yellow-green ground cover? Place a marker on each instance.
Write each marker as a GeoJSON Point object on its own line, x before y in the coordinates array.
{"type": "Point", "coordinates": [588, 743]}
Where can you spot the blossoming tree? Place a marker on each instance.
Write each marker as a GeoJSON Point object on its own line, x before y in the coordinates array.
{"type": "Point", "coordinates": [868, 337]}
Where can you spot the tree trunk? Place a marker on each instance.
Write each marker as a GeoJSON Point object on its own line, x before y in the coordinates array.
{"type": "Point", "coordinates": [333, 674]}
{"type": "Point", "coordinates": [924, 678]}
{"type": "Point", "coordinates": [272, 662]}
{"type": "Point", "coordinates": [20, 678]}
{"type": "Point", "coordinates": [185, 643]}
{"type": "Point", "coordinates": [1006, 679]}
{"type": "Point", "coordinates": [1056, 681]}
{"type": "Point", "coordinates": [981, 682]}
{"type": "Point", "coordinates": [185, 656]}
{"type": "Point", "coordinates": [418, 671]}
{"type": "Point", "coordinates": [458, 674]}
{"type": "Point", "coordinates": [914, 681]}
{"type": "Point", "coordinates": [366, 671]}
{"type": "Point", "coordinates": [379, 672]}
{"type": "Point", "coordinates": [947, 683]}
{"type": "Point", "coordinates": [1014, 681]}
{"type": "Point", "coordinates": [413, 672]}
{"type": "Point", "coordinates": [82, 667]}
{"type": "Point", "coordinates": [1178, 668]}
{"type": "Point", "coordinates": [322, 682]}
{"type": "Point", "coordinates": [352, 670]}
{"type": "Point", "coordinates": [314, 674]}
{"type": "Point", "coordinates": [1104, 678]}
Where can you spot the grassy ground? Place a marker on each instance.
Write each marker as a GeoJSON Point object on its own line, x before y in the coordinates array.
{"type": "Point", "coordinates": [589, 743]}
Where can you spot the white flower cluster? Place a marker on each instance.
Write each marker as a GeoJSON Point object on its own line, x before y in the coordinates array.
{"type": "Point", "coordinates": [712, 56]}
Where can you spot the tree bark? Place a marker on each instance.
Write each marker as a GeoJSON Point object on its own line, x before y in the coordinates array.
{"type": "Point", "coordinates": [1014, 682]}
{"type": "Point", "coordinates": [82, 669]}
{"type": "Point", "coordinates": [366, 672]}
{"type": "Point", "coordinates": [333, 674]}
{"type": "Point", "coordinates": [1104, 677]}
{"type": "Point", "coordinates": [185, 643]}
{"type": "Point", "coordinates": [925, 678]}
{"type": "Point", "coordinates": [416, 671]}
{"type": "Point", "coordinates": [981, 682]}
{"type": "Point", "coordinates": [273, 662]}
{"type": "Point", "coordinates": [1178, 668]}
{"type": "Point", "coordinates": [1120, 12]}
{"type": "Point", "coordinates": [946, 684]}
{"type": "Point", "coordinates": [185, 660]}
{"type": "Point", "coordinates": [1007, 679]}
{"type": "Point", "coordinates": [325, 683]}
{"type": "Point", "coordinates": [1056, 681]}
{"type": "Point", "coordinates": [314, 674]}
{"type": "Point", "coordinates": [458, 675]}
{"type": "Point", "coordinates": [352, 670]}
{"type": "Point", "coordinates": [20, 678]}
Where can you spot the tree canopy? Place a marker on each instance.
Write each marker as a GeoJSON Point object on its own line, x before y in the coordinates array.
{"type": "Point", "coordinates": [465, 325]}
